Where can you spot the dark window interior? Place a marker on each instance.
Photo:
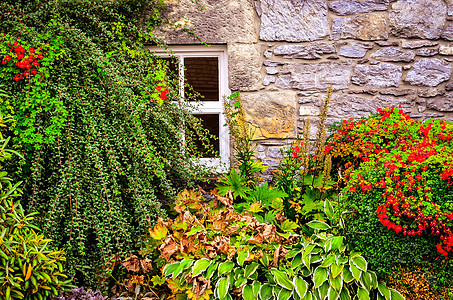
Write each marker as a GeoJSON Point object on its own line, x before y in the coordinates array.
{"type": "Point", "coordinates": [202, 73]}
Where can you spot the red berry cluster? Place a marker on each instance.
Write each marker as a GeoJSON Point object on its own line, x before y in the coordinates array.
{"type": "Point", "coordinates": [27, 62]}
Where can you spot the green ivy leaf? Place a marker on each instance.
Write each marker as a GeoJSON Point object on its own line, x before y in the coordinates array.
{"type": "Point", "coordinates": [359, 262]}
{"type": "Point", "coordinates": [169, 269]}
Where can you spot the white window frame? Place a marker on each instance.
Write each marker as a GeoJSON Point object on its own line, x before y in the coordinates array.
{"type": "Point", "coordinates": [221, 164]}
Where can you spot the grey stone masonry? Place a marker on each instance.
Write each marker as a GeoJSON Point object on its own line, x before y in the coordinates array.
{"type": "Point", "coordinates": [284, 54]}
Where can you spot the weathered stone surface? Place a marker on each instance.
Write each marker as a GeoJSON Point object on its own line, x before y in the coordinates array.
{"type": "Point", "coordinates": [306, 100]}
{"type": "Point", "coordinates": [274, 152]}
{"type": "Point", "coordinates": [309, 111]}
{"type": "Point", "coordinates": [429, 72]}
{"type": "Point", "coordinates": [368, 27]}
{"type": "Point", "coordinates": [361, 45]}
{"type": "Point", "coordinates": [312, 51]}
{"type": "Point", "coordinates": [417, 18]}
{"type": "Point", "coordinates": [293, 21]}
{"type": "Point", "coordinates": [450, 7]}
{"type": "Point", "coordinates": [397, 92]}
{"type": "Point", "coordinates": [449, 86]}
{"type": "Point", "coordinates": [212, 24]}
{"type": "Point", "coordinates": [344, 106]}
{"type": "Point", "coordinates": [352, 7]}
{"type": "Point", "coordinates": [272, 114]}
{"type": "Point", "coordinates": [268, 80]}
{"type": "Point", "coordinates": [446, 49]}
{"type": "Point", "coordinates": [378, 76]}
{"type": "Point", "coordinates": [427, 52]}
{"type": "Point", "coordinates": [448, 33]}
{"type": "Point", "coordinates": [368, 91]}
{"type": "Point", "coordinates": [363, 61]}
{"type": "Point", "coordinates": [431, 92]}
{"type": "Point", "coordinates": [271, 163]}
{"type": "Point", "coordinates": [347, 51]}
{"type": "Point", "coordinates": [386, 43]}
{"type": "Point", "coordinates": [244, 66]}
{"type": "Point", "coordinates": [393, 54]}
{"type": "Point", "coordinates": [418, 44]}
{"type": "Point", "coordinates": [269, 63]}
{"type": "Point", "coordinates": [303, 76]}
{"type": "Point", "coordinates": [441, 104]}
{"type": "Point", "coordinates": [260, 148]}
{"type": "Point", "coordinates": [267, 53]}
{"type": "Point", "coordinates": [271, 70]}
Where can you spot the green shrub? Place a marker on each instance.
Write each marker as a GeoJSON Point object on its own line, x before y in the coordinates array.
{"type": "Point", "coordinates": [398, 179]}
{"type": "Point", "coordinates": [98, 120]}
{"type": "Point", "coordinates": [29, 267]}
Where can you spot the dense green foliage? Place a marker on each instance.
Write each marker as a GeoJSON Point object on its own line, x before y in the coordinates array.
{"type": "Point", "coordinates": [98, 120]}
{"type": "Point", "coordinates": [398, 190]}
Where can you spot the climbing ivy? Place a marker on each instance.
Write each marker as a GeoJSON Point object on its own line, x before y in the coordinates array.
{"type": "Point", "coordinates": [99, 121]}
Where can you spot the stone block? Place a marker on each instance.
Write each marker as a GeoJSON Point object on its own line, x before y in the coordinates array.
{"type": "Point", "coordinates": [427, 52]}
{"type": "Point", "coordinates": [351, 52]}
{"type": "Point", "coordinates": [367, 27]}
{"type": "Point", "coordinates": [378, 76]}
{"type": "Point", "coordinates": [273, 114]}
{"type": "Point", "coordinates": [417, 18]}
{"type": "Point", "coordinates": [312, 51]}
{"type": "Point", "coordinates": [293, 21]}
{"type": "Point", "coordinates": [244, 67]}
{"type": "Point", "coordinates": [444, 104]}
{"type": "Point", "coordinates": [446, 49]}
{"type": "Point", "coordinates": [344, 106]}
{"type": "Point", "coordinates": [393, 54]}
{"type": "Point", "coordinates": [212, 24]}
{"type": "Point", "coordinates": [431, 92]}
{"type": "Point", "coordinates": [308, 111]}
{"type": "Point", "coordinates": [305, 76]}
{"type": "Point", "coordinates": [353, 7]}
{"type": "Point", "coordinates": [429, 72]}
{"type": "Point", "coordinates": [274, 152]}
{"type": "Point", "coordinates": [397, 92]}
{"type": "Point", "coordinates": [418, 44]}
{"type": "Point", "coordinates": [268, 80]}
{"type": "Point", "coordinates": [448, 33]}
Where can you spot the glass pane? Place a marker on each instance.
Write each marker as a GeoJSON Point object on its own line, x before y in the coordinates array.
{"type": "Point", "coordinates": [211, 123]}
{"type": "Point", "coordinates": [202, 73]}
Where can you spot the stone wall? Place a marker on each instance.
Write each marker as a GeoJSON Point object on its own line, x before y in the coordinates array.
{"type": "Point", "coordinates": [284, 54]}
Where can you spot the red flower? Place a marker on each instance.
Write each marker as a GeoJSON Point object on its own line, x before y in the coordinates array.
{"type": "Point", "coordinates": [34, 71]}
{"type": "Point", "coordinates": [32, 50]}
{"type": "Point", "coordinates": [40, 56]}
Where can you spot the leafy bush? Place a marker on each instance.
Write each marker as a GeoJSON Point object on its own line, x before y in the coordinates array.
{"type": "Point", "coordinates": [215, 252]}
{"type": "Point", "coordinates": [98, 120]}
{"type": "Point", "coordinates": [398, 178]}
{"type": "Point", "coordinates": [29, 268]}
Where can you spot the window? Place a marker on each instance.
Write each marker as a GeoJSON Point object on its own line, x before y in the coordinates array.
{"type": "Point", "coordinates": [205, 69]}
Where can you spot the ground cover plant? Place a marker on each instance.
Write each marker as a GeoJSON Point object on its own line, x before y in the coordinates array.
{"type": "Point", "coordinates": [96, 118]}
{"type": "Point", "coordinates": [398, 188]}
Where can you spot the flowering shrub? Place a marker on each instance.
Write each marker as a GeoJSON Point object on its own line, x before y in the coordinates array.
{"type": "Point", "coordinates": [408, 163]}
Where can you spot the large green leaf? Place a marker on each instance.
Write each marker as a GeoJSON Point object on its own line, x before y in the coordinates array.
{"type": "Point", "coordinates": [336, 283]}
{"type": "Point", "coordinates": [185, 263]}
{"type": "Point", "coordinates": [383, 289]}
{"type": "Point", "coordinates": [347, 275]}
{"type": "Point", "coordinates": [336, 269]}
{"type": "Point", "coordinates": [297, 261]}
{"type": "Point", "coordinates": [366, 280]}
{"type": "Point", "coordinates": [328, 261]}
{"type": "Point", "coordinates": [332, 294]}
{"type": "Point", "coordinates": [169, 269]}
{"type": "Point", "coordinates": [319, 276]}
{"type": "Point", "coordinates": [359, 262]}
{"type": "Point", "coordinates": [336, 242]}
{"type": "Point", "coordinates": [240, 281]}
{"type": "Point", "coordinates": [356, 272]}
{"type": "Point", "coordinates": [265, 292]}
{"type": "Point", "coordinates": [282, 279]}
{"type": "Point", "coordinates": [225, 267]}
{"type": "Point", "coordinates": [363, 294]}
{"type": "Point", "coordinates": [265, 260]}
{"type": "Point", "coordinates": [251, 269]}
{"type": "Point", "coordinates": [211, 270]}
{"type": "Point", "coordinates": [396, 295]}
{"type": "Point", "coordinates": [242, 256]}
{"type": "Point", "coordinates": [319, 225]}
{"type": "Point", "coordinates": [374, 282]}
{"type": "Point", "coordinates": [256, 288]}
{"type": "Point", "coordinates": [200, 266]}
{"type": "Point", "coordinates": [328, 209]}
{"type": "Point", "coordinates": [344, 295]}
{"type": "Point", "coordinates": [284, 294]}
{"type": "Point", "coordinates": [222, 287]}
{"type": "Point", "coordinates": [247, 292]}
{"type": "Point", "coordinates": [301, 286]}
{"type": "Point", "coordinates": [308, 296]}
{"type": "Point", "coordinates": [323, 290]}
{"type": "Point", "coordinates": [307, 250]}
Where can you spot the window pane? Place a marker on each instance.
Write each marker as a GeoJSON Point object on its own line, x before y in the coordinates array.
{"type": "Point", "coordinates": [202, 73]}
{"type": "Point", "coordinates": [211, 123]}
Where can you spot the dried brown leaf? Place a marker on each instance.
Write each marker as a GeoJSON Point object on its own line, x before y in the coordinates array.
{"type": "Point", "coordinates": [132, 263]}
